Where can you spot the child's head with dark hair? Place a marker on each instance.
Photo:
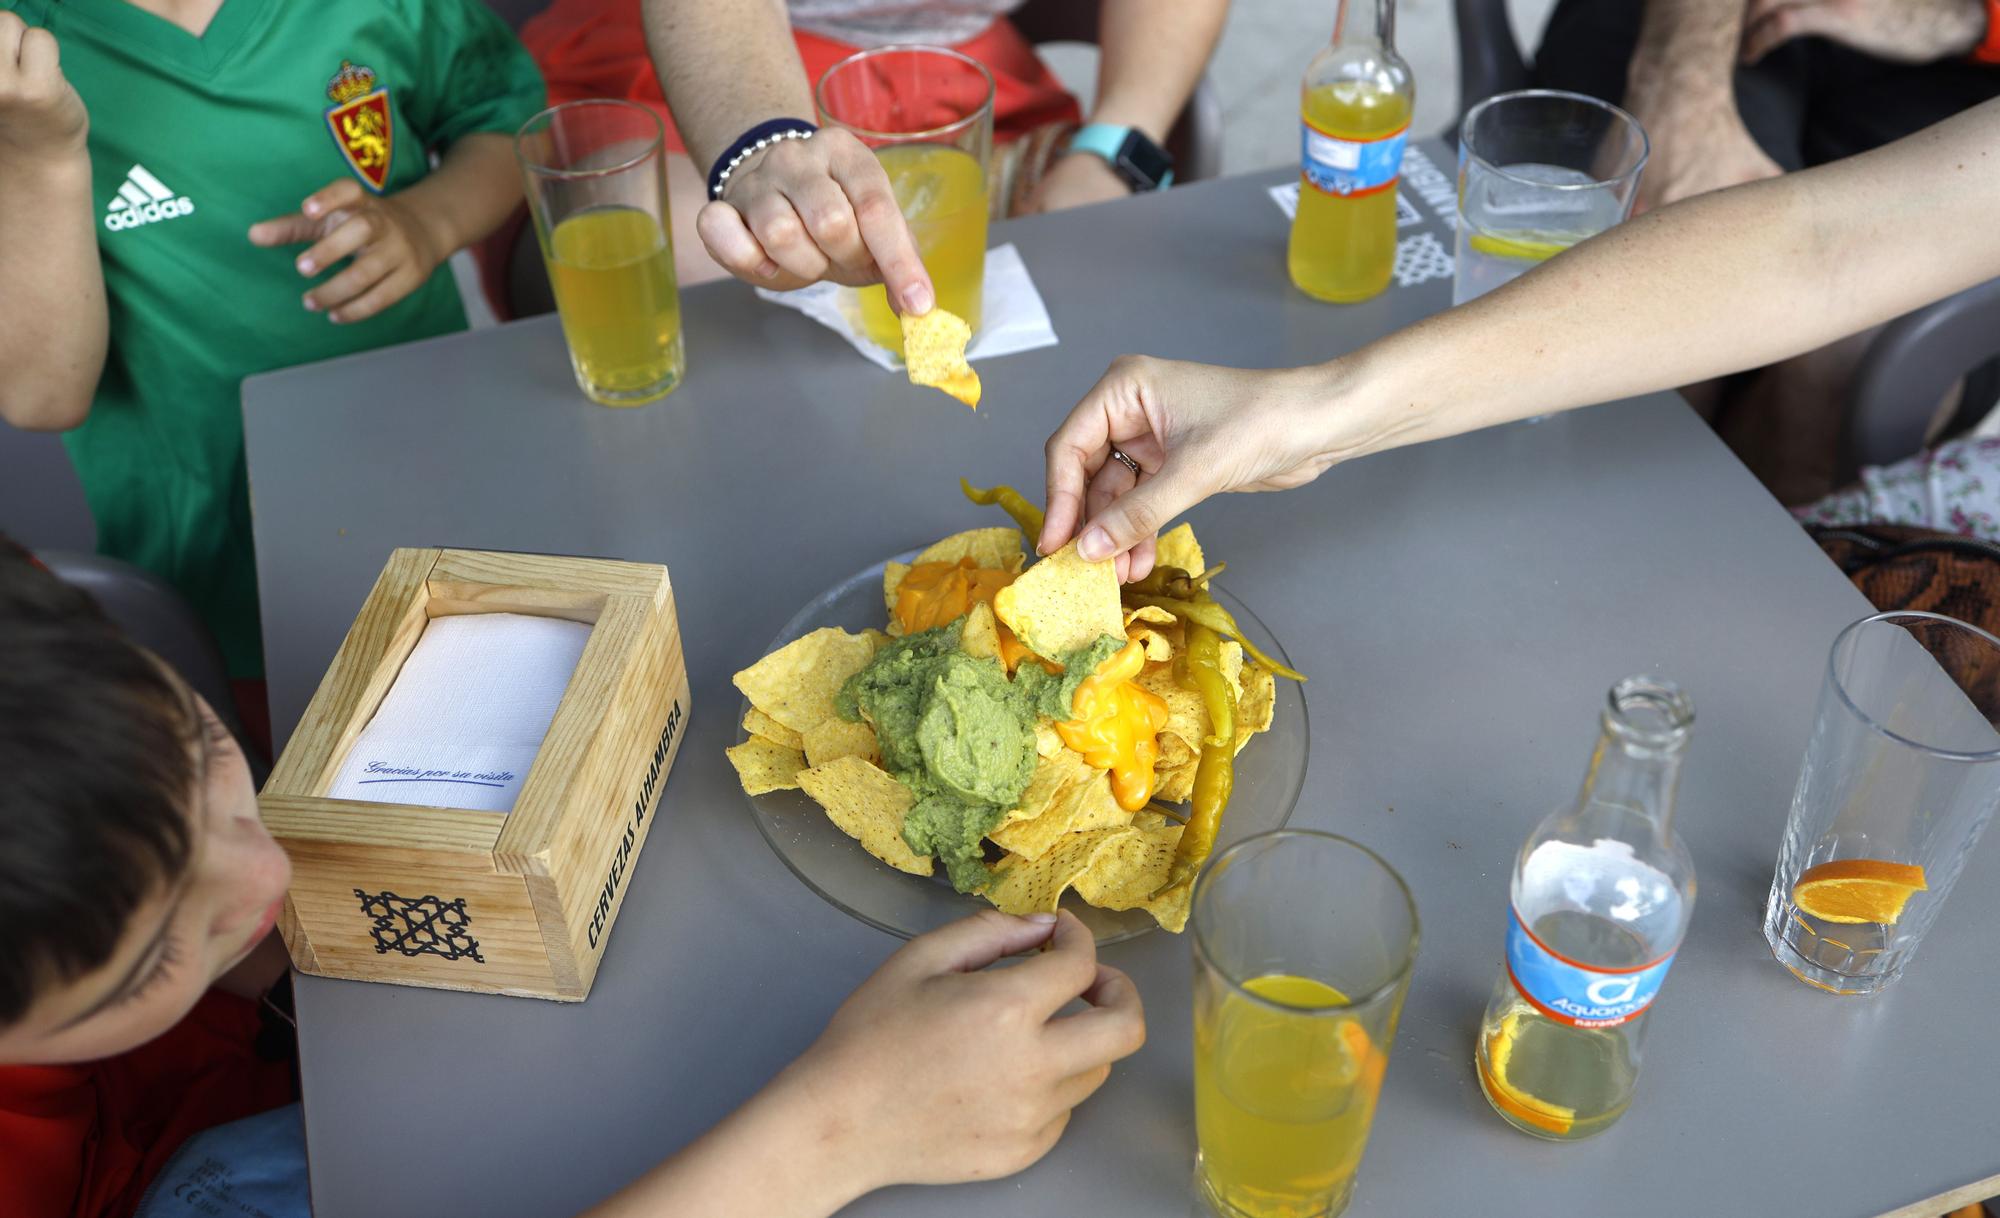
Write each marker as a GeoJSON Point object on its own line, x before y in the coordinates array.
{"type": "Point", "coordinates": [133, 867]}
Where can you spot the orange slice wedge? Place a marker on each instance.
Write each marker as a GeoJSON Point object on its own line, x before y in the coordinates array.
{"type": "Point", "coordinates": [1858, 890]}
{"type": "Point", "coordinates": [1554, 1118]}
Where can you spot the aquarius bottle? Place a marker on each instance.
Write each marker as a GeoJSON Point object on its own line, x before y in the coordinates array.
{"type": "Point", "coordinates": [1602, 892]}
{"type": "Point", "coordinates": [1354, 117]}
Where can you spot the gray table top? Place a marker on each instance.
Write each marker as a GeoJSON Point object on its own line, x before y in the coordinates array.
{"type": "Point", "coordinates": [1461, 608]}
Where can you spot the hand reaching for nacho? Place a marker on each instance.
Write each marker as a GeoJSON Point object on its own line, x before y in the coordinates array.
{"type": "Point", "coordinates": [1194, 430]}
{"type": "Point", "coordinates": [937, 1069]}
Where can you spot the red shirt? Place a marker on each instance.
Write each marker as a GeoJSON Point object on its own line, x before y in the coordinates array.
{"type": "Point", "coordinates": [84, 1141]}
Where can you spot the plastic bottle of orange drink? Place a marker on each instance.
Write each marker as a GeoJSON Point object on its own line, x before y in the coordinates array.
{"type": "Point", "coordinates": [1354, 116]}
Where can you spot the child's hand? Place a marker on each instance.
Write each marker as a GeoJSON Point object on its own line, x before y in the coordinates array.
{"type": "Point", "coordinates": [938, 1069]}
{"type": "Point", "coordinates": [391, 250]}
{"type": "Point", "coordinates": [41, 117]}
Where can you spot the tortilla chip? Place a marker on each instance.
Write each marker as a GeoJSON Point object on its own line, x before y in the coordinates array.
{"type": "Point", "coordinates": [1178, 548]}
{"type": "Point", "coordinates": [1127, 872]}
{"type": "Point", "coordinates": [1079, 808]}
{"type": "Point", "coordinates": [934, 354]}
{"type": "Point", "coordinates": [1158, 649]}
{"type": "Point", "coordinates": [992, 548]}
{"type": "Point", "coordinates": [837, 738]}
{"type": "Point", "coordinates": [1174, 786]}
{"type": "Point", "coordinates": [1055, 773]}
{"type": "Point", "coordinates": [980, 636]}
{"type": "Point", "coordinates": [868, 805]}
{"type": "Point", "coordinates": [1024, 886]}
{"type": "Point", "coordinates": [876, 638]}
{"type": "Point", "coordinates": [1232, 666]}
{"type": "Point", "coordinates": [1062, 603]}
{"type": "Point", "coordinates": [796, 683]}
{"type": "Point", "coordinates": [1257, 706]}
{"type": "Point", "coordinates": [1170, 909]}
{"type": "Point", "coordinates": [1174, 753]}
{"type": "Point", "coordinates": [1187, 718]}
{"type": "Point", "coordinates": [1048, 742]}
{"type": "Point", "coordinates": [764, 767]}
{"type": "Point", "coordinates": [892, 579]}
{"type": "Point", "coordinates": [757, 723]}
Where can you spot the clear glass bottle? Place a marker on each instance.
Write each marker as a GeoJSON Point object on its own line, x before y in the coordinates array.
{"type": "Point", "coordinates": [1354, 117]}
{"type": "Point", "coordinates": [1602, 893]}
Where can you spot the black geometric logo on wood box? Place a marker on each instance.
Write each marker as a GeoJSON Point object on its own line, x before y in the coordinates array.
{"type": "Point", "coordinates": [426, 926]}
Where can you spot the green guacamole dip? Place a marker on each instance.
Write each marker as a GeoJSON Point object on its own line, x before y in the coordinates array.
{"type": "Point", "coordinates": [961, 735]}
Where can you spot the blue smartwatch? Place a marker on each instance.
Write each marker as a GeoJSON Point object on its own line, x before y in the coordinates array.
{"type": "Point", "coordinates": [1138, 161]}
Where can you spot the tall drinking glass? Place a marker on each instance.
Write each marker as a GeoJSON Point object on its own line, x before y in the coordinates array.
{"type": "Point", "coordinates": [1901, 776]}
{"type": "Point", "coordinates": [1303, 944]}
{"type": "Point", "coordinates": [928, 114]}
{"type": "Point", "coordinates": [1538, 171]}
{"type": "Point", "coordinates": [597, 188]}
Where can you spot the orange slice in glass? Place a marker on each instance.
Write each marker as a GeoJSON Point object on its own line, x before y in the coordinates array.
{"type": "Point", "coordinates": [1858, 890]}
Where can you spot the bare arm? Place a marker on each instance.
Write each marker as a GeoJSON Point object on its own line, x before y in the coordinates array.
{"type": "Point", "coordinates": [1153, 54]}
{"type": "Point", "coordinates": [899, 1089]}
{"type": "Point", "coordinates": [801, 211]}
{"type": "Point", "coordinates": [1680, 86]}
{"type": "Point", "coordinates": [1731, 280]}
{"type": "Point", "coordinates": [53, 324]}
{"type": "Point", "coordinates": [725, 65]}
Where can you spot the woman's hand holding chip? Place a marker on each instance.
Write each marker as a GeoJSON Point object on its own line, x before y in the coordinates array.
{"type": "Point", "coordinates": [803, 211]}
{"type": "Point", "coordinates": [1194, 430]}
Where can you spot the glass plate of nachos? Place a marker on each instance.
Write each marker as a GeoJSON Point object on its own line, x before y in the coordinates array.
{"type": "Point", "coordinates": [902, 749]}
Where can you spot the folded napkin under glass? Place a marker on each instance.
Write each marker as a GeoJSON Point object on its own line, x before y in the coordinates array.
{"type": "Point", "coordinates": [1012, 316]}
{"type": "Point", "coordinates": [462, 723]}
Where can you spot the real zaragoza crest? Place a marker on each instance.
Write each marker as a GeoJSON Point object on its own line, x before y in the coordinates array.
{"type": "Point", "coordinates": [359, 121]}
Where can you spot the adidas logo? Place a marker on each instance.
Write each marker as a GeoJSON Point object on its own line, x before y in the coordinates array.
{"type": "Point", "coordinates": [142, 199]}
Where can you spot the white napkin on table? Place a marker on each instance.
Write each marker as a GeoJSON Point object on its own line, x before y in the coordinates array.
{"type": "Point", "coordinates": [1012, 315]}
{"type": "Point", "coordinates": [462, 723]}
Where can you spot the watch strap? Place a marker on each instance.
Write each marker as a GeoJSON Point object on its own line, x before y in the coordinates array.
{"type": "Point", "coordinates": [1107, 142]}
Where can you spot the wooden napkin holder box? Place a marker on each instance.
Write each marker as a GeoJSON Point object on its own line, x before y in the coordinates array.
{"type": "Point", "coordinates": [519, 902]}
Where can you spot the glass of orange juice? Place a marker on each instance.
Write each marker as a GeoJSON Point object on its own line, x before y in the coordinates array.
{"type": "Point", "coordinates": [928, 114]}
{"type": "Point", "coordinates": [1901, 776]}
{"type": "Point", "coordinates": [1303, 945]}
{"type": "Point", "coordinates": [597, 188]}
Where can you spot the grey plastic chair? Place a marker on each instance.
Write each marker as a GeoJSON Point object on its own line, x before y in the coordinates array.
{"type": "Point", "coordinates": [41, 499]}
{"type": "Point", "coordinates": [155, 616]}
{"type": "Point", "coordinates": [1906, 370]}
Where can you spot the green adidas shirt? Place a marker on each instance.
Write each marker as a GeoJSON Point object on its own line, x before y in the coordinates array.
{"type": "Point", "coordinates": [193, 140]}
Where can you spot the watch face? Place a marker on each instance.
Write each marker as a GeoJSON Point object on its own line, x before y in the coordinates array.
{"type": "Point", "coordinates": [1142, 163]}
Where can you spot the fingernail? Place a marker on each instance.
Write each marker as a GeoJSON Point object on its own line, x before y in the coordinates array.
{"type": "Point", "coordinates": [310, 207]}
{"type": "Point", "coordinates": [307, 301]}
{"type": "Point", "coordinates": [1094, 545]}
{"type": "Point", "coordinates": [1041, 919]}
{"type": "Point", "coordinates": [306, 266]}
{"type": "Point", "coordinates": [767, 269]}
{"type": "Point", "coordinates": [918, 301]}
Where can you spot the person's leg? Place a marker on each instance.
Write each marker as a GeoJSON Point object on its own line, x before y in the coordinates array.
{"type": "Point", "coordinates": [1587, 48]}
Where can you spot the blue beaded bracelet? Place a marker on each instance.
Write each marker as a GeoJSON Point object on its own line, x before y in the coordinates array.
{"type": "Point", "coordinates": [753, 141]}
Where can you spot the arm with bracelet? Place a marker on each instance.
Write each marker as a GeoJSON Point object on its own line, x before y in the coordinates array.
{"type": "Point", "coordinates": [789, 204]}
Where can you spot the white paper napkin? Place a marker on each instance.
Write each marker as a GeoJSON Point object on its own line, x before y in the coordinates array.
{"type": "Point", "coordinates": [462, 723]}
{"type": "Point", "coordinates": [1012, 315]}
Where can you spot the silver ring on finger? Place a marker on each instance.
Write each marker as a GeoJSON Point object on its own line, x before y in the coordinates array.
{"type": "Point", "coordinates": [1126, 461]}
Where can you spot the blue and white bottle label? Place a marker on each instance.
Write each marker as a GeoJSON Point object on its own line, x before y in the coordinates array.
{"type": "Point", "coordinates": [1350, 167]}
{"type": "Point", "coordinates": [1571, 993]}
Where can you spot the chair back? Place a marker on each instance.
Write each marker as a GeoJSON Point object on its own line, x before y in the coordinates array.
{"type": "Point", "coordinates": [1907, 370]}
{"type": "Point", "coordinates": [41, 498]}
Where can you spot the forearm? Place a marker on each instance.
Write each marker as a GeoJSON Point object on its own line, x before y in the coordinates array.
{"type": "Point", "coordinates": [781, 1155]}
{"type": "Point", "coordinates": [725, 65]}
{"type": "Point", "coordinates": [1686, 56]}
{"type": "Point", "coordinates": [475, 187]}
{"type": "Point", "coordinates": [1153, 55]}
{"type": "Point", "coordinates": [52, 341]}
{"type": "Point", "coordinates": [1732, 280]}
